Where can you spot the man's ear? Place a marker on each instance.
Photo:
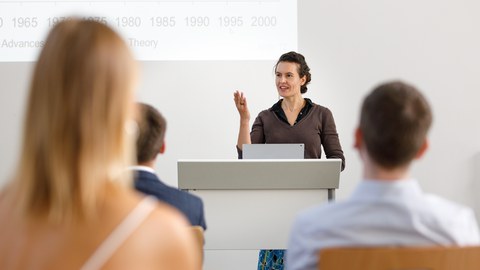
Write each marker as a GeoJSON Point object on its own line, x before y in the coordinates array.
{"type": "Point", "coordinates": [358, 138]}
{"type": "Point", "coordinates": [162, 149]}
{"type": "Point", "coordinates": [422, 149]}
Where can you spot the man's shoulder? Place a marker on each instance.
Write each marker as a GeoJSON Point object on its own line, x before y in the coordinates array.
{"type": "Point", "coordinates": [446, 208]}
{"type": "Point", "coordinates": [188, 196]}
{"type": "Point", "coordinates": [143, 175]}
{"type": "Point", "coordinates": [147, 178]}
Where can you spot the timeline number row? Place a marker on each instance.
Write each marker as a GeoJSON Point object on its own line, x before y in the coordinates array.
{"type": "Point", "coordinates": [29, 22]}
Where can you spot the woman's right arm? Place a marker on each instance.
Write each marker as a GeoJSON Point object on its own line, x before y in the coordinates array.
{"type": "Point", "coordinates": [244, 130]}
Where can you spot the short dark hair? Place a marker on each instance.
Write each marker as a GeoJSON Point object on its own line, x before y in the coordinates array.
{"type": "Point", "coordinates": [395, 119]}
{"type": "Point", "coordinates": [303, 69]}
{"type": "Point", "coordinates": [151, 132]}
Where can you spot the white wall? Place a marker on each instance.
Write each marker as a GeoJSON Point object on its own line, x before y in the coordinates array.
{"type": "Point", "coordinates": [350, 46]}
{"type": "Point", "coordinates": [14, 81]}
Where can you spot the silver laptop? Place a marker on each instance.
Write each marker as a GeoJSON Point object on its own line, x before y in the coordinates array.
{"type": "Point", "coordinates": [274, 151]}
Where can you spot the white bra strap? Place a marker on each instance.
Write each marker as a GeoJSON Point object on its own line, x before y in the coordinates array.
{"type": "Point", "coordinates": [103, 253]}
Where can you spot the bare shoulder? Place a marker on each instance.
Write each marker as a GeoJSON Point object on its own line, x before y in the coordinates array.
{"type": "Point", "coordinates": [169, 220]}
{"type": "Point", "coordinates": [177, 243]}
{"type": "Point", "coordinates": [163, 241]}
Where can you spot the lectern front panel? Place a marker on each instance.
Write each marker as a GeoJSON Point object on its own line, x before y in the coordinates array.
{"type": "Point", "coordinates": [253, 219]}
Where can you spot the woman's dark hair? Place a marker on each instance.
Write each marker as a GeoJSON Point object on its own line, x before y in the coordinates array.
{"type": "Point", "coordinates": [303, 69]}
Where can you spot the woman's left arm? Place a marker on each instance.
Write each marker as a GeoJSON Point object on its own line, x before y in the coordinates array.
{"type": "Point", "coordinates": [329, 137]}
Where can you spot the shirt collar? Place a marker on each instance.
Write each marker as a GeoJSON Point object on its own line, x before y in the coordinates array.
{"type": "Point", "coordinates": [277, 109]}
{"type": "Point", "coordinates": [278, 106]}
{"type": "Point", "coordinates": [142, 168]}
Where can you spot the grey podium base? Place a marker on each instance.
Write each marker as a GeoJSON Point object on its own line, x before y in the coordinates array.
{"type": "Point", "coordinates": [230, 259]}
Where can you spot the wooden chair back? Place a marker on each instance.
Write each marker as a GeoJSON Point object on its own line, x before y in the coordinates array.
{"type": "Point", "coordinates": [401, 258]}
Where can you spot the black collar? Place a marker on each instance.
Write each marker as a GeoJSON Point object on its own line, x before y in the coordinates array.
{"type": "Point", "coordinates": [277, 109]}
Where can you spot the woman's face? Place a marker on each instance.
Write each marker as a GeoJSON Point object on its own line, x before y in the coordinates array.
{"type": "Point", "coordinates": [288, 80]}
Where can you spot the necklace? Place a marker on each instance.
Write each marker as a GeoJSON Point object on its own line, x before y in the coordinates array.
{"type": "Point", "coordinates": [294, 108]}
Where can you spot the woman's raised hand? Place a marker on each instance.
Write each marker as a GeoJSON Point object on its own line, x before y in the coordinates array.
{"type": "Point", "coordinates": [241, 104]}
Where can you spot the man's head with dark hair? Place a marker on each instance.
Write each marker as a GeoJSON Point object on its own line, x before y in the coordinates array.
{"type": "Point", "coordinates": [151, 133]}
{"type": "Point", "coordinates": [303, 69]}
{"type": "Point", "coordinates": [394, 122]}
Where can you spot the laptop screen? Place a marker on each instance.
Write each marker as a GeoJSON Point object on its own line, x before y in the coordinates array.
{"type": "Point", "coordinates": [274, 151]}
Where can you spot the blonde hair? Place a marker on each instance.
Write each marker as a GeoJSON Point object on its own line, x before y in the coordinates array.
{"type": "Point", "coordinates": [75, 139]}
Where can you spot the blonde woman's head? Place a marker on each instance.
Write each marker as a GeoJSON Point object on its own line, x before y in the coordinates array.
{"type": "Point", "coordinates": [79, 107]}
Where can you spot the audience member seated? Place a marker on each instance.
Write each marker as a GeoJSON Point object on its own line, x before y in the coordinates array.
{"type": "Point", "coordinates": [151, 142]}
{"type": "Point", "coordinates": [388, 208]}
{"type": "Point", "coordinates": [69, 204]}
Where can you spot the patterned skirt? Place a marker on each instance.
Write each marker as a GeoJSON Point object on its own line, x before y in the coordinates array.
{"type": "Point", "coordinates": [271, 259]}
